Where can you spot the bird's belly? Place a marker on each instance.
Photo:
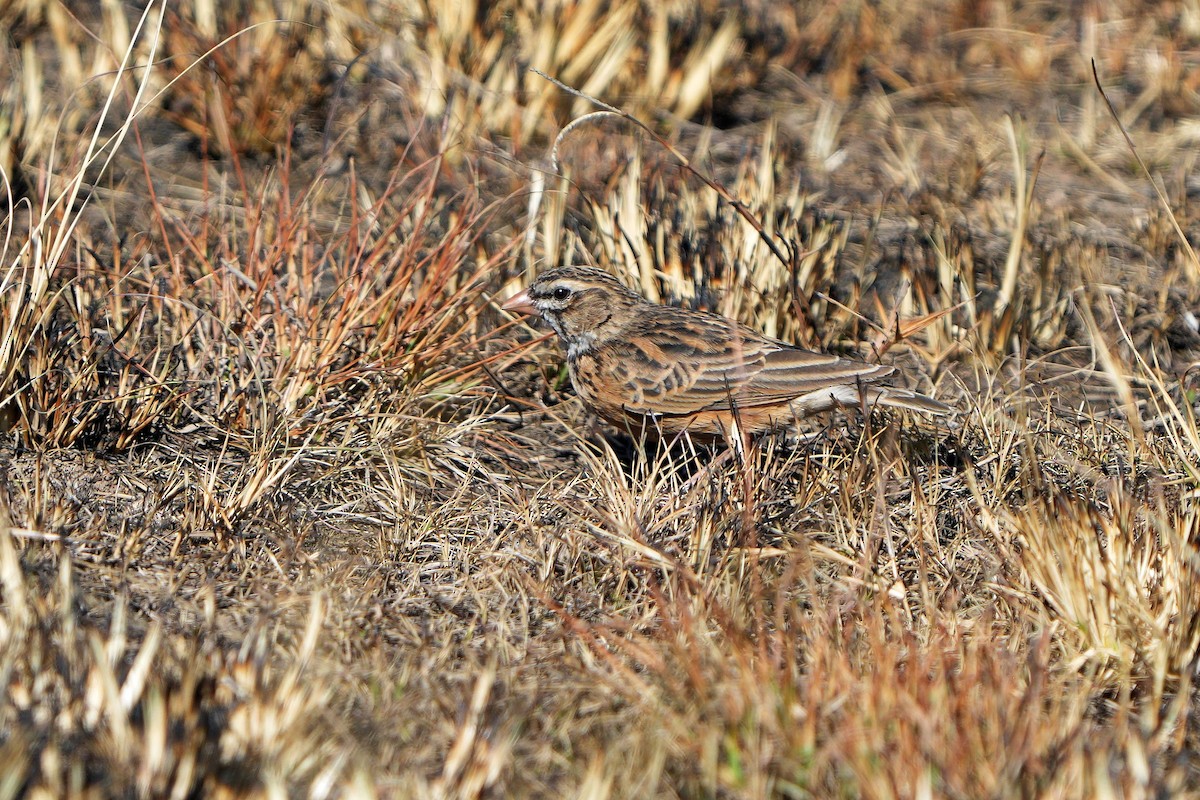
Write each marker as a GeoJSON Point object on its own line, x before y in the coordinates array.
{"type": "Point", "coordinates": [599, 393]}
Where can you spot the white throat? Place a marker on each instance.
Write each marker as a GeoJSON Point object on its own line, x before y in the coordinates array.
{"type": "Point", "coordinates": [580, 344]}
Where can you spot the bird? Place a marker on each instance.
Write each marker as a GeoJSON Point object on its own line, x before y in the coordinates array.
{"type": "Point", "coordinates": [671, 371]}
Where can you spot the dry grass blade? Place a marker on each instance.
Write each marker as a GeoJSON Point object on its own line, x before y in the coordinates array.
{"type": "Point", "coordinates": [1023, 194]}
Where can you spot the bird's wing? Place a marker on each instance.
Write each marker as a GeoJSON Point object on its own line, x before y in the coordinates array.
{"type": "Point", "coordinates": [679, 363]}
{"type": "Point", "coordinates": [790, 372]}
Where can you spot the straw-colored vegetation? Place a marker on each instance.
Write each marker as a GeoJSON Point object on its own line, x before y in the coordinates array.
{"type": "Point", "coordinates": [289, 507]}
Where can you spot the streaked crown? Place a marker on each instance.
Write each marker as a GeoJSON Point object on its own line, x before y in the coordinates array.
{"type": "Point", "coordinates": [562, 287]}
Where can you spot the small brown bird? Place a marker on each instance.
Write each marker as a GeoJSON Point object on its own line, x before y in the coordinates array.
{"type": "Point", "coordinates": [667, 371]}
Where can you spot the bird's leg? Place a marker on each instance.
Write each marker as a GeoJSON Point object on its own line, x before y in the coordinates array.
{"type": "Point", "coordinates": [740, 447]}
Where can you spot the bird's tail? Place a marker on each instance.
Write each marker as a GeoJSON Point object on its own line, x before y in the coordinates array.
{"type": "Point", "coordinates": [904, 398]}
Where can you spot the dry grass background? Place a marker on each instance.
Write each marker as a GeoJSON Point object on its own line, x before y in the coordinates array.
{"type": "Point", "coordinates": [290, 508]}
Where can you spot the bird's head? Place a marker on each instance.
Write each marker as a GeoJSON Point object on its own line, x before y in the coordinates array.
{"type": "Point", "coordinates": [581, 304]}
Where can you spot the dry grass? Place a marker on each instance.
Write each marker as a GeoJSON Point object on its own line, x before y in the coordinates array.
{"type": "Point", "coordinates": [290, 508]}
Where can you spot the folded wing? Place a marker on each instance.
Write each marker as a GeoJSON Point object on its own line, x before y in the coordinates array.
{"type": "Point", "coordinates": [696, 363]}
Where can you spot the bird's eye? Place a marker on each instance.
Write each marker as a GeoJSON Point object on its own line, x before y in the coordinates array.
{"type": "Point", "coordinates": [561, 293]}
